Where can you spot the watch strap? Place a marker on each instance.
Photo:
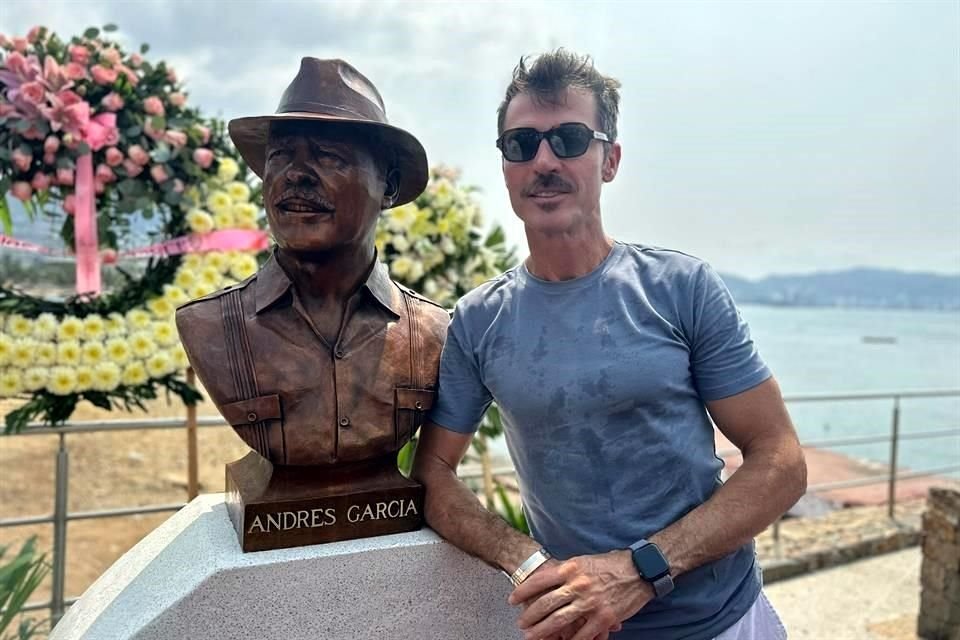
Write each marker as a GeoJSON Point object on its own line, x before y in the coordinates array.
{"type": "Point", "coordinates": [662, 584]}
{"type": "Point", "coordinates": [528, 566]}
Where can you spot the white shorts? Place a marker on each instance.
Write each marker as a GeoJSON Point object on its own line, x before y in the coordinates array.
{"type": "Point", "coordinates": [760, 622]}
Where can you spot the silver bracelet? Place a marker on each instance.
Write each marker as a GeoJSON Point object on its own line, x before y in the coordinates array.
{"type": "Point", "coordinates": [529, 565]}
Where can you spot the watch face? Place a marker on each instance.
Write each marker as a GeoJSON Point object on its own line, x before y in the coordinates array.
{"type": "Point", "coordinates": [650, 562]}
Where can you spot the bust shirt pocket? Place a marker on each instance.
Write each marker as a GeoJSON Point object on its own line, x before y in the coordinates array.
{"type": "Point", "coordinates": [411, 405]}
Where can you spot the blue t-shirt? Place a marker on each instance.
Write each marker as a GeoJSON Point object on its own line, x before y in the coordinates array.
{"type": "Point", "coordinates": [601, 383]}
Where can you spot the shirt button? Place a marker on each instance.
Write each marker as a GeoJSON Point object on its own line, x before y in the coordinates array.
{"type": "Point", "coordinates": [251, 417]}
{"type": "Point", "coordinates": [344, 422]}
{"type": "Point", "coordinates": [339, 353]}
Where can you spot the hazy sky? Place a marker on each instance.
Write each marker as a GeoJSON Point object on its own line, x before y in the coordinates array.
{"type": "Point", "coordinates": [765, 137]}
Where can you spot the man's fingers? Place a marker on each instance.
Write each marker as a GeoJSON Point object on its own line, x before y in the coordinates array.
{"type": "Point", "coordinates": [556, 622]}
{"type": "Point", "coordinates": [595, 628]}
{"type": "Point", "coordinates": [542, 606]}
{"type": "Point", "coordinates": [546, 578]}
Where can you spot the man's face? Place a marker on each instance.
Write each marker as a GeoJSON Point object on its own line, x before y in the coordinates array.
{"type": "Point", "coordinates": [551, 194]}
{"type": "Point", "coordinates": [322, 187]}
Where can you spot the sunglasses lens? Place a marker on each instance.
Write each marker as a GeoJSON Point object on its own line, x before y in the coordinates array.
{"type": "Point", "coordinates": [569, 140]}
{"type": "Point", "coordinates": [520, 145]}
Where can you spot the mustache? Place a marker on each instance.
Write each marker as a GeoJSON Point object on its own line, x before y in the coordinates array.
{"type": "Point", "coordinates": [548, 182]}
{"type": "Point", "coordinates": [310, 197]}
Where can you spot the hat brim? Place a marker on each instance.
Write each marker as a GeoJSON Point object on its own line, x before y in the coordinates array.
{"type": "Point", "coordinates": [250, 134]}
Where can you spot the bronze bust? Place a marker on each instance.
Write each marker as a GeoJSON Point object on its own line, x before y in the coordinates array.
{"type": "Point", "coordinates": [319, 361]}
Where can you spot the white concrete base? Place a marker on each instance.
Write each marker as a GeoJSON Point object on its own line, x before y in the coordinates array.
{"type": "Point", "coordinates": [189, 579]}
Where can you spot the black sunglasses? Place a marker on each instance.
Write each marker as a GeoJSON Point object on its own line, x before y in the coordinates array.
{"type": "Point", "coordinates": [568, 140]}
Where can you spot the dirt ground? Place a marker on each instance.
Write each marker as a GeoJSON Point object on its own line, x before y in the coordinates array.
{"type": "Point", "coordinates": [107, 470]}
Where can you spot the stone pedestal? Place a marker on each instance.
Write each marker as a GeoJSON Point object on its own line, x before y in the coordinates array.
{"type": "Point", "coordinates": [189, 579]}
{"type": "Point", "coordinates": [939, 617]}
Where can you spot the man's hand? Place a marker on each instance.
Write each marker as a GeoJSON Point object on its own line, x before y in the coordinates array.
{"type": "Point", "coordinates": [599, 591]}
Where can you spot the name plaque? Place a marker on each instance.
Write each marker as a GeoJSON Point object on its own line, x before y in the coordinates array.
{"type": "Point", "coordinates": [276, 507]}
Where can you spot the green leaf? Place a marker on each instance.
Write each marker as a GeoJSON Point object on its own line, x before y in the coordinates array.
{"type": "Point", "coordinates": [91, 33]}
{"type": "Point", "coordinates": [144, 48]}
{"type": "Point", "coordinates": [83, 149]}
{"type": "Point", "coordinates": [5, 219]}
{"type": "Point", "coordinates": [133, 132]}
{"type": "Point", "coordinates": [110, 27]}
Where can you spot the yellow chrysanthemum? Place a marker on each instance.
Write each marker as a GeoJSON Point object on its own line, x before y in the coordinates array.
{"type": "Point", "coordinates": [116, 325]}
{"type": "Point", "coordinates": [69, 353]}
{"type": "Point", "coordinates": [94, 327]}
{"type": "Point", "coordinates": [199, 221]}
{"type": "Point", "coordinates": [238, 191]}
{"type": "Point", "coordinates": [223, 219]}
{"type": "Point", "coordinates": [400, 242]}
{"type": "Point", "coordinates": [174, 295]}
{"type": "Point", "coordinates": [165, 333]}
{"type": "Point", "coordinates": [93, 352]}
{"type": "Point", "coordinates": [70, 328]}
{"type": "Point", "coordinates": [401, 218]}
{"type": "Point", "coordinates": [219, 201]}
{"type": "Point", "coordinates": [243, 266]}
{"type": "Point", "coordinates": [35, 378]}
{"type": "Point", "coordinates": [24, 352]}
{"type": "Point", "coordinates": [45, 354]}
{"type": "Point", "coordinates": [186, 278]}
{"type": "Point", "coordinates": [19, 326]}
{"type": "Point", "coordinates": [118, 350]}
{"type": "Point", "coordinates": [159, 364]}
{"type": "Point", "coordinates": [106, 376]}
{"type": "Point", "coordinates": [11, 383]}
{"type": "Point", "coordinates": [211, 277]}
{"type": "Point", "coordinates": [85, 378]}
{"type": "Point", "coordinates": [62, 382]}
{"type": "Point", "coordinates": [6, 348]}
{"type": "Point", "coordinates": [227, 169]}
{"type": "Point", "coordinates": [45, 326]}
{"type": "Point", "coordinates": [179, 357]}
{"type": "Point", "coordinates": [200, 289]}
{"type": "Point", "coordinates": [142, 344]}
{"type": "Point", "coordinates": [216, 260]}
{"type": "Point", "coordinates": [161, 308]}
{"type": "Point", "coordinates": [134, 373]}
{"type": "Point", "coordinates": [245, 211]}
{"type": "Point", "coordinates": [138, 320]}
{"type": "Point", "coordinates": [401, 266]}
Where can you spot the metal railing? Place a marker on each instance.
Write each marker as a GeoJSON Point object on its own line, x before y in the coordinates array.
{"type": "Point", "coordinates": [61, 515]}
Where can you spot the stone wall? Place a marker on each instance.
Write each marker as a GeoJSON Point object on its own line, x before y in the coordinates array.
{"type": "Point", "coordinates": [940, 572]}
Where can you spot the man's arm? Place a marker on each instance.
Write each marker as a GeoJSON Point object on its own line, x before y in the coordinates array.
{"type": "Point", "coordinates": [454, 512]}
{"type": "Point", "coordinates": [606, 588]}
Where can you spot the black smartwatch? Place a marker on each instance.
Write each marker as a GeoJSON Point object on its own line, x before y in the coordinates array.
{"type": "Point", "coordinates": [652, 566]}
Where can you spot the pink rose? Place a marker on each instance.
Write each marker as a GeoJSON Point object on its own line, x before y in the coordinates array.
{"type": "Point", "coordinates": [65, 176]}
{"type": "Point", "coordinates": [33, 92]}
{"type": "Point", "coordinates": [136, 60]}
{"type": "Point", "coordinates": [158, 173]}
{"type": "Point", "coordinates": [40, 182]}
{"type": "Point", "coordinates": [114, 156]}
{"type": "Point", "coordinates": [69, 112]}
{"type": "Point", "coordinates": [138, 155]}
{"type": "Point", "coordinates": [7, 109]}
{"type": "Point", "coordinates": [155, 134]}
{"type": "Point", "coordinates": [21, 190]}
{"type": "Point", "coordinates": [70, 204]}
{"type": "Point", "coordinates": [5, 42]}
{"type": "Point", "coordinates": [74, 71]}
{"type": "Point", "coordinates": [108, 256]}
{"type": "Point", "coordinates": [111, 56]}
{"type": "Point", "coordinates": [79, 54]}
{"type": "Point", "coordinates": [178, 99]}
{"type": "Point", "coordinates": [50, 158]}
{"type": "Point", "coordinates": [204, 133]}
{"type": "Point", "coordinates": [33, 132]}
{"type": "Point", "coordinates": [178, 185]}
{"type": "Point", "coordinates": [112, 101]}
{"type": "Point", "coordinates": [20, 44]}
{"type": "Point", "coordinates": [51, 144]}
{"type": "Point", "coordinates": [101, 131]}
{"type": "Point", "coordinates": [203, 157]}
{"type": "Point", "coordinates": [104, 173]}
{"type": "Point", "coordinates": [102, 75]}
{"type": "Point", "coordinates": [131, 76]}
{"type": "Point", "coordinates": [34, 34]}
{"type": "Point", "coordinates": [132, 168]}
{"type": "Point", "coordinates": [22, 161]}
{"type": "Point", "coordinates": [171, 76]}
{"type": "Point", "coordinates": [98, 187]}
{"type": "Point", "coordinates": [175, 138]}
{"type": "Point", "coordinates": [153, 106]}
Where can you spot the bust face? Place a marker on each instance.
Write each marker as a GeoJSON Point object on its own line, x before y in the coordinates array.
{"type": "Point", "coordinates": [323, 189]}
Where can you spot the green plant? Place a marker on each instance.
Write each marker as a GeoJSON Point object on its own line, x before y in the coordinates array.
{"type": "Point", "coordinates": [513, 515]}
{"type": "Point", "coordinates": [18, 579]}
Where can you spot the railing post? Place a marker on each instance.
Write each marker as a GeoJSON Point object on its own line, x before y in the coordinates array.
{"type": "Point", "coordinates": [487, 467]}
{"type": "Point", "coordinates": [894, 441]}
{"type": "Point", "coordinates": [60, 531]}
{"type": "Point", "coordinates": [192, 483]}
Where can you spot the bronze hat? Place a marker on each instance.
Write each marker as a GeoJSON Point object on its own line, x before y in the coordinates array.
{"type": "Point", "coordinates": [333, 91]}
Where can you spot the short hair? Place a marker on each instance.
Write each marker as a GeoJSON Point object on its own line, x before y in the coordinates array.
{"type": "Point", "coordinates": [551, 74]}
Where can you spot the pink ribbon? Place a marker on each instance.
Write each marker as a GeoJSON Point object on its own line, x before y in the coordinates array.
{"type": "Point", "coordinates": [224, 240]}
{"type": "Point", "coordinates": [24, 245]}
{"type": "Point", "coordinates": [86, 241]}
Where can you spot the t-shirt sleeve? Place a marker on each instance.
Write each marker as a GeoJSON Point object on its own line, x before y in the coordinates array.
{"type": "Point", "coordinates": [462, 398]}
{"type": "Point", "coordinates": [724, 360]}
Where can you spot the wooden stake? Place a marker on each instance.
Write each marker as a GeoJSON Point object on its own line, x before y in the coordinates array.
{"type": "Point", "coordinates": [192, 483]}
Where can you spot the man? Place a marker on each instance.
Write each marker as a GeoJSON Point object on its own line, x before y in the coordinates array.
{"type": "Point", "coordinates": [607, 361]}
{"type": "Point", "coordinates": [320, 359]}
